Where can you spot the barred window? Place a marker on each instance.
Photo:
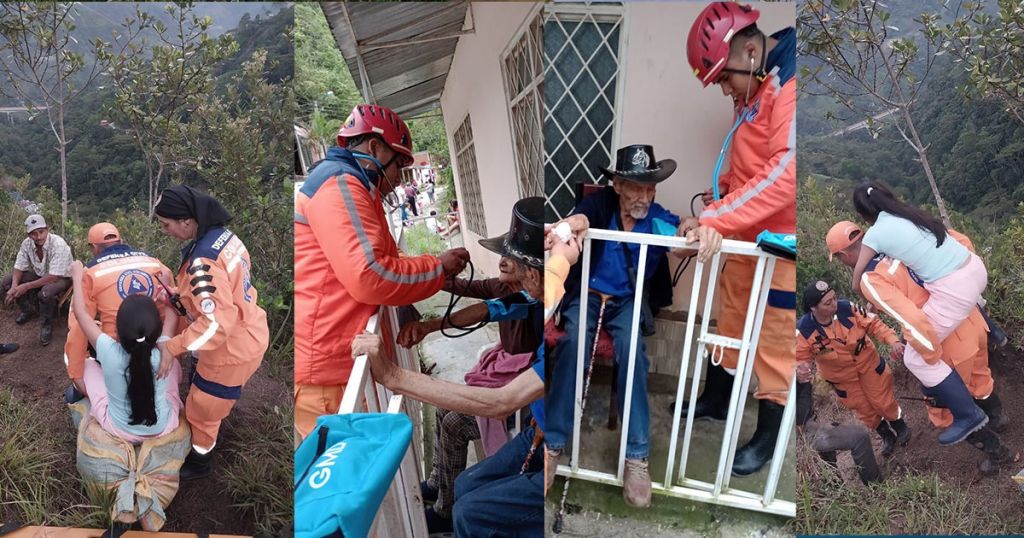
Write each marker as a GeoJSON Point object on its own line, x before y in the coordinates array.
{"type": "Point", "coordinates": [472, 205]}
{"type": "Point", "coordinates": [581, 71]}
{"type": "Point", "coordinates": [523, 75]}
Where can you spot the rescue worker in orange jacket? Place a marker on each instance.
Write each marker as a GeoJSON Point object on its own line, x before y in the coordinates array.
{"type": "Point", "coordinates": [895, 290]}
{"type": "Point", "coordinates": [346, 261]}
{"type": "Point", "coordinates": [837, 336]}
{"type": "Point", "coordinates": [758, 193]}
{"type": "Point", "coordinates": [227, 330]}
{"type": "Point", "coordinates": [116, 271]}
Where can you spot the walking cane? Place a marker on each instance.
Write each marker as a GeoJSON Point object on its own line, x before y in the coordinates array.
{"type": "Point", "coordinates": [557, 526]}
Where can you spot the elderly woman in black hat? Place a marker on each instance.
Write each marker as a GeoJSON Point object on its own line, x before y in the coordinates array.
{"type": "Point", "coordinates": [627, 206]}
{"type": "Point", "coordinates": [507, 481]}
{"type": "Point", "coordinates": [226, 328]}
{"type": "Point", "coordinates": [513, 300]}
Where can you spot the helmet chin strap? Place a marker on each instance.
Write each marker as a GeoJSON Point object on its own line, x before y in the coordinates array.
{"type": "Point", "coordinates": [376, 175]}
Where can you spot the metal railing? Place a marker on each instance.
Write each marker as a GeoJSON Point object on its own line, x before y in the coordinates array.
{"type": "Point", "coordinates": [401, 513]}
{"type": "Point", "coordinates": [718, 492]}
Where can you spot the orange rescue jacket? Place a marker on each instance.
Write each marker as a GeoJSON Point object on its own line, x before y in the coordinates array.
{"type": "Point", "coordinates": [228, 326]}
{"type": "Point", "coordinates": [119, 271]}
{"type": "Point", "coordinates": [760, 186]}
{"type": "Point", "coordinates": [346, 265]}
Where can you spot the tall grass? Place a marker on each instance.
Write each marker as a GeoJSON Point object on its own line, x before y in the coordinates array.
{"type": "Point", "coordinates": [259, 470]}
{"type": "Point", "coordinates": [904, 503]}
{"type": "Point", "coordinates": [38, 482]}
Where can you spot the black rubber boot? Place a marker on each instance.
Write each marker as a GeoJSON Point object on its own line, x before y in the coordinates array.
{"type": "Point", "coordinates": [993, 407]}
{"type": "Point", "coordinates": [902, 431]}
{"type": "Point", "coordinates": [71, 394]}
{"type": "Point", "coordinates": [997, 455]}
{"type": "Point", "coordinates": [759, 450]}
{"type": "Point", "coordinates": [967, 417]}
{"type": "Point", "coordinates": [713, 403]}
{"type": "Point", "coordinates": [196, 466]}
{"type": "Point", "coordinates": [23, 317]}
{"type": "Point", "coordinates": [49, 311]}
{"type": "Point", "coordinates": [996, 335]}
{"type": "Point", "coordinates": [26, 304]}
{"type": "Point", "coordinates": [888, 438]}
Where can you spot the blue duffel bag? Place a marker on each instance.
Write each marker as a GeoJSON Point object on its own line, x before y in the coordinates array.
{"type": "Point", "coordinates": [343, 470]}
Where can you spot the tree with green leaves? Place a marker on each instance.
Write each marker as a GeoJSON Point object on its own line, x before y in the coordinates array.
{"type": "Point", "coordinates": [990, 49]}
{"type": "Point", "coordinates": [159, 85]}
{"type": "Point", "coordinates": [866, 66]}
{"type": "Point", "coordinates": [43, 67]}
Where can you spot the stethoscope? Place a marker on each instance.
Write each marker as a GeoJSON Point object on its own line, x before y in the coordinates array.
{"type": "Point", "coordinates": [747, 113]}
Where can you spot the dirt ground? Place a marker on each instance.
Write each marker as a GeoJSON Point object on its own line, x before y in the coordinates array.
{"type": "Point", "coordinates": [956, 466]}
{"type": "Point", "coordinates": [36, 374]}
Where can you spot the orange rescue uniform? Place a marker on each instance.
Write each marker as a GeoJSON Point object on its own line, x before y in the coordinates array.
{"type": "Point", "coordinates": [848, 359]}
{"type": "Point", "coordinates": [346, 266]}
{"type": "Point", "coordinates": [893, 289]}
{"type": "Point", "coordinates": [229, 334]}
{"type": "Point", "coordinates": [119, 271]}
{"type": "Point", "coordinates": [761, 195]}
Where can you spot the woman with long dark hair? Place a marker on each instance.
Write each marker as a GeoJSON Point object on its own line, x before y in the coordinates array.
{"type": "Point", "coordinates": [226, 329]}
{"type": "Point", "coordinates": [954, 276]}
{"type": "Point", "coordinates": [126, 396]}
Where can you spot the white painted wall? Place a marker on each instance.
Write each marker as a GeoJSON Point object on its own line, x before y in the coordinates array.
{"type": "Point", "coordinates": [475, 87]}
{"type": "Point", "coordinates": [663, 104]}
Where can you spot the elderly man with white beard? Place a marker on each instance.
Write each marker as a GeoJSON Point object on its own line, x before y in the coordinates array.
{"type": "Point", "coordinates": [628, 206]}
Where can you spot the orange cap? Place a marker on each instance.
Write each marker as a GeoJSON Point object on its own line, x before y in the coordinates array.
{"type": "Point", "coordinates": [102, 233]}
{"type": "Point", "coordinates": [841, 235]}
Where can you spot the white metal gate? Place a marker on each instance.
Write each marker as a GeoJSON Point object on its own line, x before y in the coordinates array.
{"type": "Point", "coordinates": [679, 485]}
{"type": "Point", "coordinates": [401, 513]}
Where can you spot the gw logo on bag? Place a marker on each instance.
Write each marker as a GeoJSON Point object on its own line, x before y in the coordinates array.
{"type": "Point", "coordinates": [134, 282]}
{"type": "Point", "coordinates": [322, 474]}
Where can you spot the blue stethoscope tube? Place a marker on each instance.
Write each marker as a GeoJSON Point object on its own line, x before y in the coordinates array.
{"type": "Point", "coordinates": [744, 115]}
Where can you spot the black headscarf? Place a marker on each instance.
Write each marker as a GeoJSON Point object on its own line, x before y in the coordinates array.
{"type": "Point", "coordinates": [184, 202]}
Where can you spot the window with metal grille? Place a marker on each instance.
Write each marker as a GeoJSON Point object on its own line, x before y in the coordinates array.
{"type": "Point", "coordinates": [581, 71]}
{"type": "Point", "coordinates": [471, 204]}
{"type": "Point", "coordinates": [523, 74]}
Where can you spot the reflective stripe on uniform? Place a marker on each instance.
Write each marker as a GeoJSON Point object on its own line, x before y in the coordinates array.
{"type": "Point", "coordinates": [364, 242]}
{"type": "Point", "coordinates": [212, 328]}
{"type": "Point", "coordinates": [916, 334]}
{"type": "Point", "coordinates": [772, 177]}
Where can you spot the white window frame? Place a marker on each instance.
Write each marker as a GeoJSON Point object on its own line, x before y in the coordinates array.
{"type": "Point", "coordinates": [527, 133]}
{"type": "Point", "coordinates": [471, 205]}
{"type": "Point", "coordinates": [600, 12]}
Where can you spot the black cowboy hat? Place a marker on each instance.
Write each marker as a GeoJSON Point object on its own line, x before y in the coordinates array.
{"type": "Point", "coordinates": [524, 241]}
{"type": "Point", "coordinates": [636, 163]}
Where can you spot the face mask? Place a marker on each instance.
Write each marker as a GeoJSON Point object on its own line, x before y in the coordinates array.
{"type": "Point", "coordinates": [374, 176]}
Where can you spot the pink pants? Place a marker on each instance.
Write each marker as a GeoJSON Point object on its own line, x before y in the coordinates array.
{"type": "Point", "coordinates": [99, 404]}
{"type": "Point", "coordinates": [951, 300]}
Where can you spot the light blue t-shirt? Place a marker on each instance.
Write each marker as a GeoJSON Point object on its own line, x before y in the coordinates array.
{"type": "Point", "coordinates": [901, 239]}
{"type": "Point", "coordinates": [113, 360]}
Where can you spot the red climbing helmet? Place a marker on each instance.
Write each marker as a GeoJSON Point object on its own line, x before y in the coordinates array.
{"type": "Point", "coordinates": [707, 46]}
{"type": "Point", "coordinates": [366, 119]}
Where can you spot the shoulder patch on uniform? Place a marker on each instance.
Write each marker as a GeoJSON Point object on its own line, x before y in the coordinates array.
{"type": "Point", "coordinates": [204, 289]}
{"type": "Point", "coordinates": [211, 245]}
{"type": "Point", "coordinates": [200, 278]}
{"type": "Point", "coordinates": [207, 306]}
{"type": "Point", "coordinates": [806, 325]}
{"type": "Point", "coordinates": [873, 263]}
{"type": "Point", "coordinates": [134, 282]}
{"type": "Point", "coordinates": [845, 313]}
{"type": "Point", "coordinates": [193, 269]}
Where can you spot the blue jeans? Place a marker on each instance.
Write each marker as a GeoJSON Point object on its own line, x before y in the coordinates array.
{"type": "Point", "coordinates": [618, 318]}
{"type": "Point", "coordinates": [492, 499]}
